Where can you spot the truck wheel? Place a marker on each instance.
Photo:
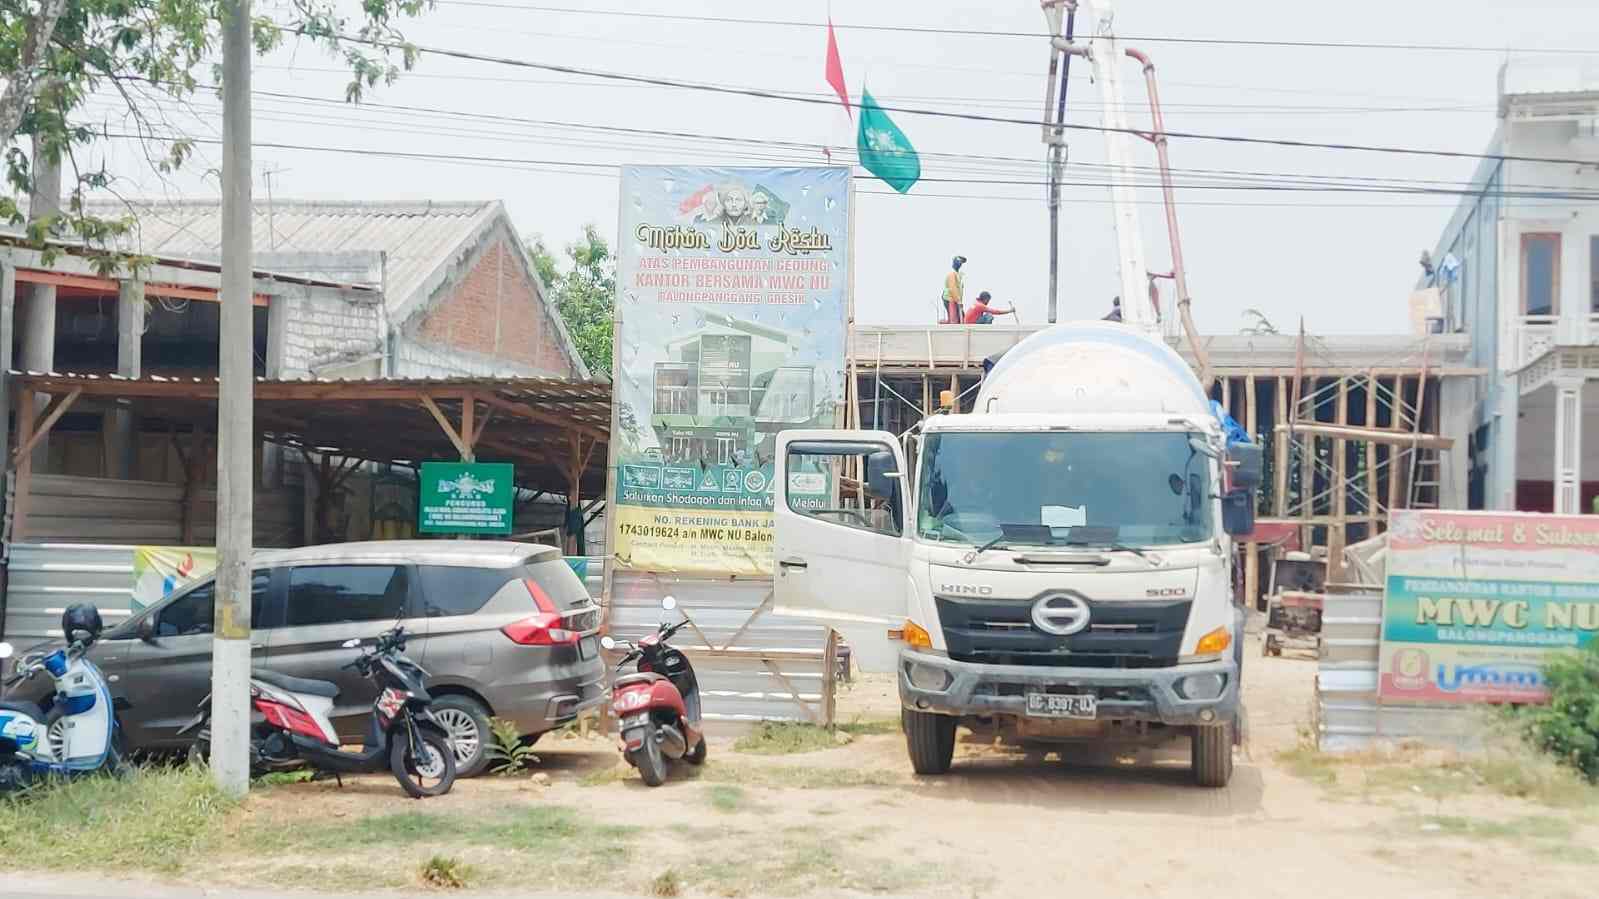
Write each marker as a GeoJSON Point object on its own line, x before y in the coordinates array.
{"type": "Point", "coordinates": [930, 740]}
{"type": "Point", "coordinates": [1212, 755]}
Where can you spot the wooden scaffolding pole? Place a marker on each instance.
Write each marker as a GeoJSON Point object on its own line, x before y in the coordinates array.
{"type": "Point", "coordinates": [1372, 513]}
{"type": "Point", "coordinates": [1280, 440]}
{"type": "Point", "coordinates": [1251, 549]}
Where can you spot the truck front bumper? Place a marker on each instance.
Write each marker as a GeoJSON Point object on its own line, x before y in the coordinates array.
{"type": "Point", "coordinates": [1126, 694]}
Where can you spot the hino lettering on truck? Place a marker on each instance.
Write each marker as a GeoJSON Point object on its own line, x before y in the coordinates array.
{"type": "Point", "coordinates": [966, 589]}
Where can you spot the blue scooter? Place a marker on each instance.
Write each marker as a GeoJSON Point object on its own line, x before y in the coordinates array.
{"type": "Point", "coordinates": [79, 733]}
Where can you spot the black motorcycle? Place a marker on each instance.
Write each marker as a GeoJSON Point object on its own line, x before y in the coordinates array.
{"type": "Point", "coordinates": [296, 728]}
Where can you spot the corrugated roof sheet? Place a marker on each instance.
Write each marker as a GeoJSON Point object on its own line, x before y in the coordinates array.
{"type": "Point", "coordinates": [416, 238]}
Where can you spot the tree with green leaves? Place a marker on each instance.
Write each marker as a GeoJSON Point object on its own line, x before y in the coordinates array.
{"type": "Point", "coordinates": [584, 288]}
{"type": "Point", "coordinates": [56, 54]}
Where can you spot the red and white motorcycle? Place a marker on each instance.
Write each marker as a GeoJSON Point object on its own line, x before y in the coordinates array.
{"type": "Point", "coordinates": [659, 704]}
{"type": "Point", "coordinates": [403, 736]}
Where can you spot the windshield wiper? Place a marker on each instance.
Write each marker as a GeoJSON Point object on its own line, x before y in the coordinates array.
{"type": "Point", "coordinates": [972, 556]}
{"type": "Point", "coordinates": [1120, 548]}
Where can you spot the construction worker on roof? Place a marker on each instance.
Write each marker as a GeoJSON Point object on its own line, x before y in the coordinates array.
{"type": "Point", "coordinates": [982, 313]}
{"type": "Point", "coordinates": [954, 292]}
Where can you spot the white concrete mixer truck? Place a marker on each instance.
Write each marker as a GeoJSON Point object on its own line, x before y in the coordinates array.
{"type": "Point", "coordinates": [1056, 567]}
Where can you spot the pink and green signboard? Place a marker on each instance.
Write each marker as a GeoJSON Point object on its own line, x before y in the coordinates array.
{"type": "Point", "coordinates": [1477, 602]}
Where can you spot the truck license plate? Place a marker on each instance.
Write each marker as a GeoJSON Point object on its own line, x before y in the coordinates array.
{"type": "Point", "coordinates": [1057, 705]}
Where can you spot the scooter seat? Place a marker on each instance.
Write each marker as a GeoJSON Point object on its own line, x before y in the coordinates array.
{"type": "Point", "coordinates": [642, 677]}
{"type": "Point", "coordinates": [325, 689]}
{"type": "Point", "coordinates": [31, 709]}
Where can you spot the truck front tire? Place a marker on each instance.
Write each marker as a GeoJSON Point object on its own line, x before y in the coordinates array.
{"type": "Point", "coordinates": [1212, 754]}
{"type": "Point", "coordinates": [930, 740]}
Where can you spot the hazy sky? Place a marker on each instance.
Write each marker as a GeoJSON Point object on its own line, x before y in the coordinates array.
{"type": "Point", "coordinates": [1343, 260]}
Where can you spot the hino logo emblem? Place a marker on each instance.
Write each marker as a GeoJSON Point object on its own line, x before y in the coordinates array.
{"type": "Point", "coordinates": [1060, 614]}
{"type": "Point", "coordinates": [966, 589]}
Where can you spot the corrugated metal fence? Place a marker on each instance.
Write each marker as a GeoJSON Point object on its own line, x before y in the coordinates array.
{"type": "Point", "coordinates": [100, 510]}
{"type": "Point", "coordinates": [752, 665]}
{"type": "Point", "coordinates": [1349, 715]}
{"type": "Point", "coordinates": [44, 578]}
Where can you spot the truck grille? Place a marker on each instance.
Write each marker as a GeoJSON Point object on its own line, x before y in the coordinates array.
{"type": "Point", "coordinates": [1121, 634]}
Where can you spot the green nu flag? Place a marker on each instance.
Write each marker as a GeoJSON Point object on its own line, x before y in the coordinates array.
{"type": "Point", "coordinates": [885, 150]}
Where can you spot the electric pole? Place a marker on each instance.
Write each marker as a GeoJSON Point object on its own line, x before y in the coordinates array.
{"type": "Point", "coordinates": [230, 646]}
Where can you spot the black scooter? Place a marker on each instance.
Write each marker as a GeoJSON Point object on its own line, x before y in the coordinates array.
{"type": "Point", "coordinates": [296, 729]}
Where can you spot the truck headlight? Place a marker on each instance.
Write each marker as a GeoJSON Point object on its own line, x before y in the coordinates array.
{"type": "Point", "coordinates": [1202, 686]}
{"type": "Point", "coordinates": [926, 677]}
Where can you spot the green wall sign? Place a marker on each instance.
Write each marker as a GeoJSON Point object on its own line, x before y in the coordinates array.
{"type": "Point", "coordinates": [466, 498]}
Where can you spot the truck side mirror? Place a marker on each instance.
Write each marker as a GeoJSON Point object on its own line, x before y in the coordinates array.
{"type": "Point", "coordinates": [147, 629]}
{"type": "Point", "coordinates": [880, 474]}
{"type": "Point", "coordinates": [1246, 460]}
{"type": "Point", "coordinates": [1238, 512]}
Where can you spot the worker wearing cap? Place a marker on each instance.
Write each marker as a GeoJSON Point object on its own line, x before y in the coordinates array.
{"type": "Point", "coordinates": [954, 292]}
{"type": "Point", "coordinates": [983, 314]}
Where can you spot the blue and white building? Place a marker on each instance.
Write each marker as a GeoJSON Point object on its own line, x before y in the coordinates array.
{"type": "Point", "coordinates": [1518, 271]}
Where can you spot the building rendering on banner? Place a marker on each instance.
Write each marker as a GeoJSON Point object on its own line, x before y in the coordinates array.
{"type": "Point", "coordinates": [1517, 269]}
{"type": "Point", "coordinates": [728, 389]}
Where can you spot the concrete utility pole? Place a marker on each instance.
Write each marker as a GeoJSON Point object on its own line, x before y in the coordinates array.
{"type": "Point", "coordinates": [38, 324]}
{"type": "Point", "coordinates": [230, 646]}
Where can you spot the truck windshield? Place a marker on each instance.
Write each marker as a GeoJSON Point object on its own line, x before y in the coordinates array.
{"type": "Point", "coordinates": [1064, 488]}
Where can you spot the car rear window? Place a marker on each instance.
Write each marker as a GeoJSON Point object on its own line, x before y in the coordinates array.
{"type": "Point", "coordinates": [454, 590]}
{"type": "Point", "coordinates": [559, 582]}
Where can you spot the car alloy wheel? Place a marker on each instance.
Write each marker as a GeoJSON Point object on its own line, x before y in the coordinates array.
{"type": "Point", "coordinates": [464, 734]}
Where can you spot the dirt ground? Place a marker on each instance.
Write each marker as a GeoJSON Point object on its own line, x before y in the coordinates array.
{"type": "Point", "coordinates": [853, 820]}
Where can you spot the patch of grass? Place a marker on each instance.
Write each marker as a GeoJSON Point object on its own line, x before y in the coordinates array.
{"type": "Point", "coordinates": [445, 872]}
{"type": "Point", "coordinates": [1508, 768]}
{"type": "Point", "coordinates": [1546, 836]}
{"type": "Point", "coordinates": [1308, 763]}
{"type": "Point", "coordinates": [285, 778]}
{"type": "Point", "coordinates": [1535, 827]}
{"type": "Point", "coordinates": [785, 738]}
{"type": "Point", "coordinates": [152, 820]}
{"type": "Point", "coordinates": [868, 727]}
{"type": "Point", "coordinates": [666, 883]}
{"type": "Point", "coordinates": [725, 797]}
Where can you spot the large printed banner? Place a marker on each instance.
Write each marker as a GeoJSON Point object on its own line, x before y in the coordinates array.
{"type": "Point", "coordinates": [1478, 601]}
{"type": "Point", "coordinates": [732, 295]}
{"type": "Point", "coordinates": [158, 571]}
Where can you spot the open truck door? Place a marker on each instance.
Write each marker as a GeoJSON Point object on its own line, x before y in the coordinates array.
{"type": "Point", "coordinates": [842, 546]}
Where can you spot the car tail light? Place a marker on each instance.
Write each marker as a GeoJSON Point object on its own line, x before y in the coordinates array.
{"type": "Point", "coordinates": [543, 629]}
{"type": "Point", "coordinates": [547, 628]}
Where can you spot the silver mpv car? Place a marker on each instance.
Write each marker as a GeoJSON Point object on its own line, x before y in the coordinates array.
{"type": "Point", "coordinates": [504, 630]}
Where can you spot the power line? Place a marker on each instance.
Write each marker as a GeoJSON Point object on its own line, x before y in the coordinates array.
{"type": "Point", "coordinates": [562, 165]}
{"type": "Point", "coordinates": [974, 32]}
{"type": "Point", "coordinates": [936, 113]}
{"type": "Point", "coordinates": [1305, 180]}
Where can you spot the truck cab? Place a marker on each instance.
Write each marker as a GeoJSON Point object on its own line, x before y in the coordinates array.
{"type": "Point", "coordinates": [1056, 567]}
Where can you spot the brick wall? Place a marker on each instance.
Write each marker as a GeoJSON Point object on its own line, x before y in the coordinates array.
{"type": "Point", "coordinates": [321, 327]}
{"type": "Point", "coordinates": [495, 311]}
